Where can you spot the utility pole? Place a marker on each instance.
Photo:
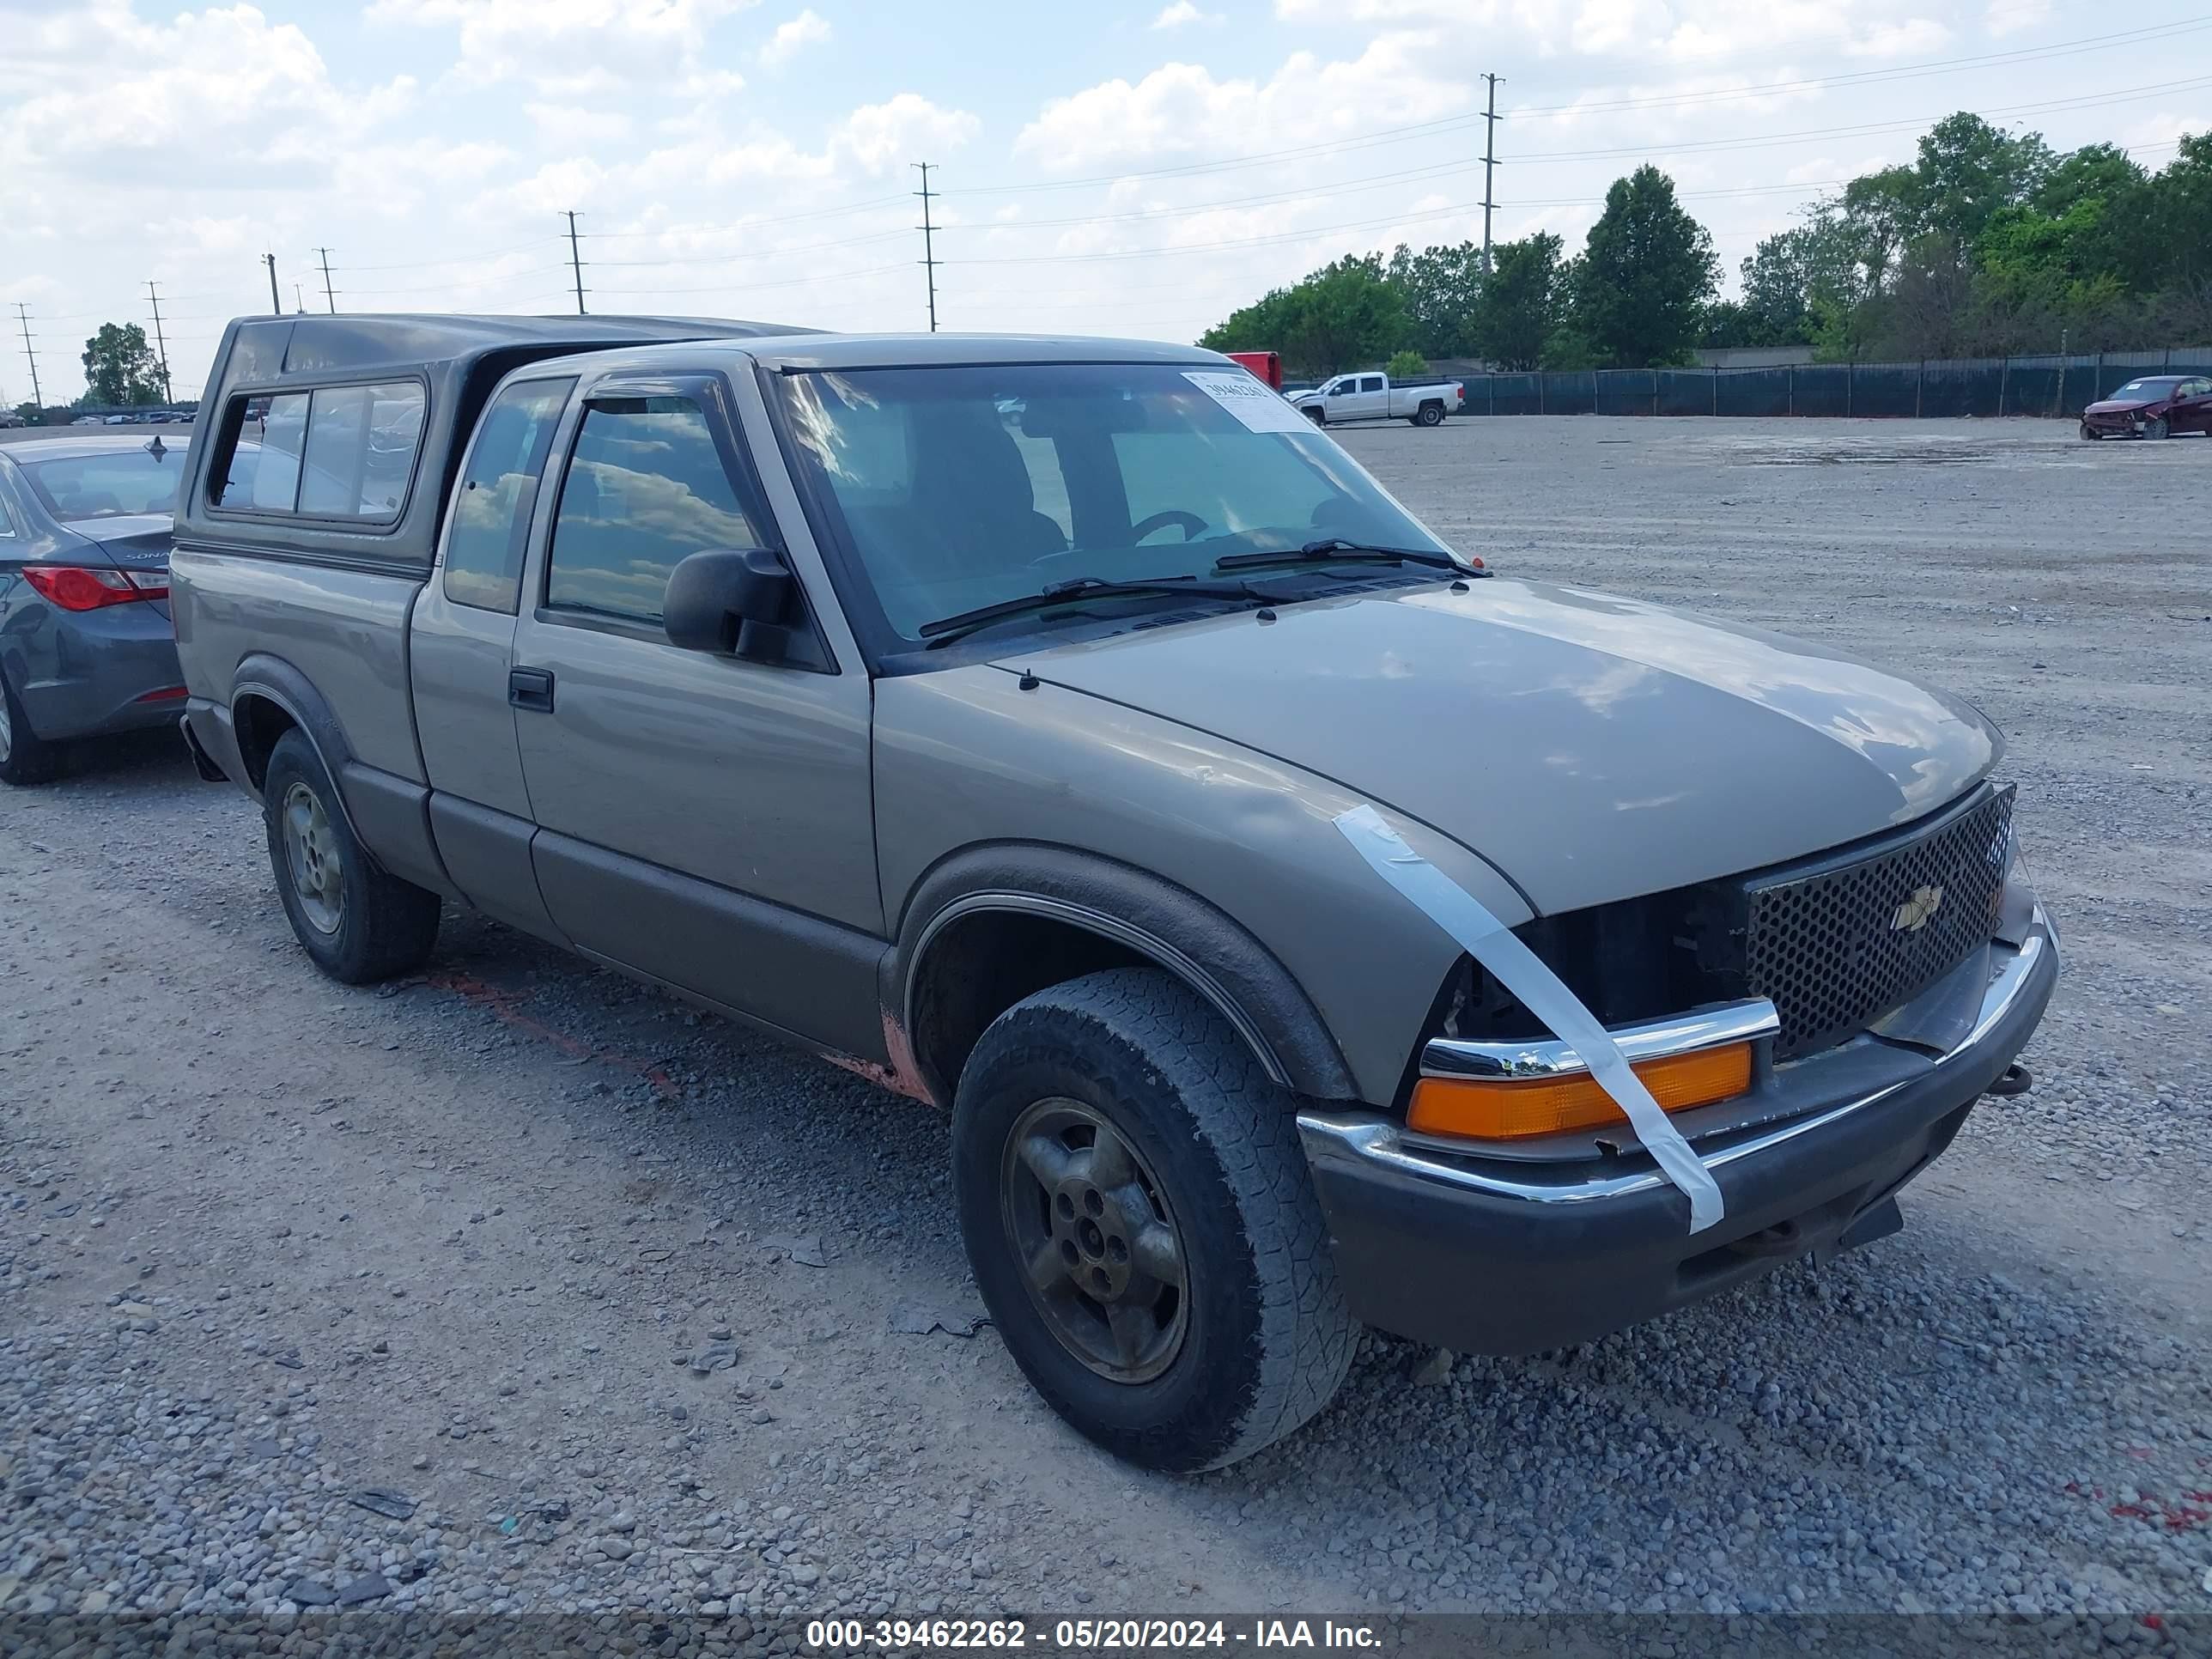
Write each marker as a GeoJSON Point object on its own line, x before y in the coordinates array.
{"type": "Point", "coordinates": [928, 246]}
{"type": "Point", "coordinates": [298, 301]}
{"type": "Point", "coordinates": [1489, 163]}
{"type": "Point", "coordinates": [160, 345]}
{"type": "Point", "coordinates": [575, 262]}
{"type": "Point", "coordinates": [37, 397]}
{"type": "Point", "coordinates": [329, 296]}
{"type": "Point", "coordinates": [275, 304]}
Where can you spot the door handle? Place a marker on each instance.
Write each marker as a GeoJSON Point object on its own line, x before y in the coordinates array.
{"type": "Point", "coordinates": [531, 688]}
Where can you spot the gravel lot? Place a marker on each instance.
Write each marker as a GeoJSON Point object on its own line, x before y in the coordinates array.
{"type": "Point", "coordinates": [518, 1287]}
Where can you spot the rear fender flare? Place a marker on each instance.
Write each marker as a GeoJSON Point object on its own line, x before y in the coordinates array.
{"type": "Point", "coordinates": [275, 681]}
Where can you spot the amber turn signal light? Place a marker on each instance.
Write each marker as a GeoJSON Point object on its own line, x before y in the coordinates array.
{"type": "Point", "coordinates": [1515, 1109]}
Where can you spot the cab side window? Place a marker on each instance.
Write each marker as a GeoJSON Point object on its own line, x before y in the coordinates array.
{"type": "Point", "coordinates": [645, 489]}
{"type": "Point", "coordinates": [499, 490]}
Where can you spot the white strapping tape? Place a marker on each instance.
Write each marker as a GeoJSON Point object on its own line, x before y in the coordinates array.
{"type": "Point", "coordinates": [1518, 967]}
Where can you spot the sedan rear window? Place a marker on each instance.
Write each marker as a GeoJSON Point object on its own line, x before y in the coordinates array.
{"type": "Point", "coordinates": [111, 485]}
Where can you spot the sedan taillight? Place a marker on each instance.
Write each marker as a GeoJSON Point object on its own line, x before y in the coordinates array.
{"type": "Point", "coordinates": [88, 588]}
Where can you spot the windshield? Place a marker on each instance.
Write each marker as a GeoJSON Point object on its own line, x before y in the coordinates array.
{"type": "Point", "coordinates": [110, 484]}
{"type": "Point", "coordinates": [963, 487]}
{"type": "Point", "coordinates": [2144, 389]}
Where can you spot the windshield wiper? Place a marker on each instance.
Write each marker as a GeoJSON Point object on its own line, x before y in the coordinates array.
{"type": "Point", "coordinates": [1335, 549]}
{"type": "Point", "coordinates": [945, 630]}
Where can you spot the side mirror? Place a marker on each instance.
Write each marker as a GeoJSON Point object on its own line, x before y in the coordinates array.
{"type": "Point", "coordinates": [737, 603]}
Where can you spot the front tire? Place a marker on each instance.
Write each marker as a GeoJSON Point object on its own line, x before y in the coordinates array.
{"type": "Point", "coordinates": [1317, 415]}
{"type": "Point", "coordinates": [360, 924]}
{"type": "Point", "coordinates": [2157, 428]}
{"type": "Point", "coordinates": [25, 757]}
{"type": "Point", "coordinates": [1142, 1225]}
{"type": "Point", "coordinates": [2089, 434]}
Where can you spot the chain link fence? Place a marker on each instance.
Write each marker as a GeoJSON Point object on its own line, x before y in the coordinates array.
{"type": "Point", "coordinates": [2052, 386]}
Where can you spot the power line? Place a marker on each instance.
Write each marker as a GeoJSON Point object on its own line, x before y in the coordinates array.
{"type": "Point", "coordinates": [160, 345]}
{"type": "Point", "coordinates": [1440, 124]}
{"type": "Point", "coordinates": [1862, 77]}
{"type": "Point", "coordinates": [1489, 163]}
{"type": "Point", "coordinates": [575, 263]}
{"type": "Point", "coordinates": [329, 297]}
{"type": "Point", "coordinates": [456, 259]}
{"type": "Point", "coordinates": [750, 224]}
{"type": "Point", "coordinates": [928, 246]}
{"type": "Point", "coordinates": [38, 397]}
{"type": "Point", "coordinates": [755, 254]}
{"type": "Point", "coordinates": [1447, 169]}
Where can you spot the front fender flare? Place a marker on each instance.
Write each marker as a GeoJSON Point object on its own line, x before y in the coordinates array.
{"type": "Point", "coordinates": [1168, 925]}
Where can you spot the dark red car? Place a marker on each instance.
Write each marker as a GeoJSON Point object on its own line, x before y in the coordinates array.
{"type": "Point", "coordinates": [2152, 406]}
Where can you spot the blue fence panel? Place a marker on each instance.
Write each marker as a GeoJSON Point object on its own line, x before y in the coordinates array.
{"type": "Point", "coordinates": [1627, 391]}
{"type": "Point", "coordinates": [1754, 392]}
{"type": "Point", "coordinates": [1686, 390]}
{"type": "Point", "coordinates": [2042, 385]}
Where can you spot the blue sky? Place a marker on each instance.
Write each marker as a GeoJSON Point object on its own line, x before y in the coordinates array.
{"type": "Point", "coordinates": [1109, 169]}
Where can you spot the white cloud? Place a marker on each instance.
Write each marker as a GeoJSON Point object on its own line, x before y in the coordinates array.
{"type": "Point", "coordinates": [1182, 108]}
{"type": "Point", "coordinates": [567, 48]}
{"type": "Point", "coordinates": [1182, 14]}
{"type": "Point", "coordinates": [221, 76]}
{"type": "Point", "coordinates": [1914, 37]}
{"type": "Point", "coordinates": [572, 124]}
{"type": "Point", "coordinates": [792, 37]}
{"type": "Point", "coordinates": [906, 128]}
{"type": "Point", "coordinates": [1682, 31]}
{"type": "Point", "coordinates": [2012, 16]}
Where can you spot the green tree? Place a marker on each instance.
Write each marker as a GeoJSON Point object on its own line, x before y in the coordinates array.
{"type": "Point", "coordinates": [2180, 215]}
{"type": "Point", "coordinates": [1968, 171]}
{"type": "Point", "coordinates": [1646, 275]}
{"type": "Point", "coordinates": [1789, 272]}
{"type": "Point", "coordinates": [120, 368]}
{"type": "Point", "coordinates": [1441, 287]}
{"type": "Point", "coordinates": [1405, 366]}
{"type": "Point", "coordinates": [1343, 315]}
{"type": "Point", "coordinates": [1522, 303]}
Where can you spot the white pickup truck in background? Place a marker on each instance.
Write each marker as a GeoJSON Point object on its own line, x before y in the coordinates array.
{"type": "Point", "coordinates": [1373, 398]}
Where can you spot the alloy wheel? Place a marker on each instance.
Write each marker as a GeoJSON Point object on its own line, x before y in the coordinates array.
{"type": "Point", "coordinates": [310, 850]}
{"type": "Point", "coordinates": [1101, 1254]}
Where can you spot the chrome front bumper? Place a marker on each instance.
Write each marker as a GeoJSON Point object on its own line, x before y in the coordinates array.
{"type": "Point", "coordinates": [1335, 1137]}
{"type": "Point", "coordinates": [1509, 1255]}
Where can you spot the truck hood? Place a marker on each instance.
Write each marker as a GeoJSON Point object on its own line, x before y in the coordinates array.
{"type": "Point", "coordinates": [1589, 747]}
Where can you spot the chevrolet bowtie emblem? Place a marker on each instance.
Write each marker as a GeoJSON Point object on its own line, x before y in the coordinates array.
{"type": "Point", "coordinates": [1914, 913]}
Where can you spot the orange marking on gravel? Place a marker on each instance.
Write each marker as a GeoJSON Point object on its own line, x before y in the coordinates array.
{"type": "Point", "coordinates": [504, 1005]}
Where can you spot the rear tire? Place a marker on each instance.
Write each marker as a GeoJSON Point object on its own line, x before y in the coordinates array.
{"type": "Point", "coordinates": [1171, 1296]}
{"type": "Point", "coordinates": [25, 757]}
{"type": "Point", "coordinates": [359, 923]}
{"type": "Point", "coordinates": [1429, 415]}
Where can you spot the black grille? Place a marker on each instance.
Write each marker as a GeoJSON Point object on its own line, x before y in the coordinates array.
{"type": "Point", "coordinates": [1837, 948]}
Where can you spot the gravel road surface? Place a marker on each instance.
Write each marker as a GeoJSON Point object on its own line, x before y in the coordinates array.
{"type": "Point", "coordinates": [519, 1287]}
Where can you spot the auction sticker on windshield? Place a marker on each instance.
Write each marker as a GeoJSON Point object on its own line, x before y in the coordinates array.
{"type": "Point", "coordinates": [1250, 402]}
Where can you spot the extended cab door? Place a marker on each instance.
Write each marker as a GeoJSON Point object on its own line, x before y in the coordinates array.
{"type": "Point", "coordinates": [461, 647]}
{"type": "Point", "coordinates": [703, 818]}
{"type": "Point", "coordinates": [1365, 398]}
